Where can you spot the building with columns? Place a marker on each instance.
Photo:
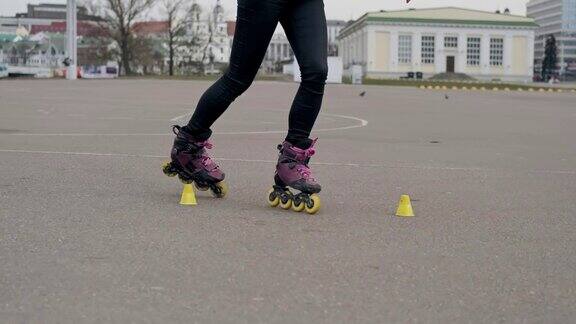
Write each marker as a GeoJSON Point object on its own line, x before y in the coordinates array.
{"type": "Point", "coordinates": [483, 45]}
{"type": "Point", "coordinates": [279, 51]}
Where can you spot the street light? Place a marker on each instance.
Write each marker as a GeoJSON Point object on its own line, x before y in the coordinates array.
{"type": "Point", "coordinates": [71, 39]}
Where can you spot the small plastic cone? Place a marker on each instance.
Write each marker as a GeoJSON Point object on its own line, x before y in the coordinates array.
{"type": "Point", "coordinates": [405, 207]}
{"type": "Point", "coordinates": [188, 195]}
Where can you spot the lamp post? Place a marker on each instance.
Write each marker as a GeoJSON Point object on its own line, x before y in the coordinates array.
{"type": "Point", "coordinates": [71, 14]}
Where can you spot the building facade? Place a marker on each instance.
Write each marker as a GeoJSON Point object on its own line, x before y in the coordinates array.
{"type": "Point", "coordinates": [208, 34]}
{"type": "Point", "coordinates": [40, 50]}
{"type": "Point", "coordinates": [44, 15]}
{"type": "Point", "coordinates": [558, 18]}
{"type": "Point", "coordinates": [279, 51]}
{"type": "Point", "coordinates": [480, 44]}
{"type": "Point", "coordinates": [334, 29]}
{"type": "Point", "coordinates": [53, 11]}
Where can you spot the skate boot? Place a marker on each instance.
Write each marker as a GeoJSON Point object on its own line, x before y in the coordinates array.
{"type": "Point", "coordinates": [191, 163]}
{"type": "Point", "coordinates": [292, 171]}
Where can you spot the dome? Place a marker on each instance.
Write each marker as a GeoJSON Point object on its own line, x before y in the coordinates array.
{"type": "Point", "coordinates": [195, 7]}
{"type": "Point", "coordinates": [218, 9]}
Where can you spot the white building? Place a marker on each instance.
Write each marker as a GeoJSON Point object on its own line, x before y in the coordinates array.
{"type": "Point", "coordinates": [41, 50]}
{"type": "Point", "coordinates": [481, 44]}
{"type": "Point", "coordinates": [334, 29]}
{"type": "Point", "coordinates": [209, 35]}
{"type": "Point", "coordinates": [279, 50]}
{"type": "Point", "coordinates": [558, 18]}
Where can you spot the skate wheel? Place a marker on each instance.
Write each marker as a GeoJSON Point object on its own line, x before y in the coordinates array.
{"type": "Point", "coordinates": [184, 180]}
{"type": "Point", "coordinates": [313, 205]}
{"type": "Point", "coordinates": [273, 199]}
{"type": "Point", "coordinates": [286, 205]}
{"type": "Point", "coordinates": [297, 204]}
{"type": "Point", "coordinates": [220, 190]}
{"type": "Point", "coordinates": [168, 170]}
{"type": "Point", "coordinates": [286, 200]}
{"type": "Point", "coordinates": [201, 188]}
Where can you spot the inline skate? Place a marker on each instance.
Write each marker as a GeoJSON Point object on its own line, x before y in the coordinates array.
{"type": "Point", "coordinates": [192, 164]}
{"type": "Point", "coordinates": [292, 171]}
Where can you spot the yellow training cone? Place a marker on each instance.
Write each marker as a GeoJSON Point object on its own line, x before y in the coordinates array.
{"type": "Point", "coordinates": [405, 207]}
{"type": "Point", "coordinates": [188, 196]}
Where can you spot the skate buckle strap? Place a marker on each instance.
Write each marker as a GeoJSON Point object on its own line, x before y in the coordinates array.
{"type": "Point", "coordinates": [205, 144]}
{"type": "Point", "coordinates": [206, 160]}
{"type": "Point", "coordinates": [305, 172]}
{"type": "Point", "coordinates": [307, 153]}
{"type": "Point", "coordinates": [303, 169]}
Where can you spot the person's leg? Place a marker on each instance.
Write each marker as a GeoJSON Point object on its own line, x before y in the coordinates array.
{"type": "Point", "coordinates": [304, 22]}
{"type": "Point", "coordinates": [255, 24]}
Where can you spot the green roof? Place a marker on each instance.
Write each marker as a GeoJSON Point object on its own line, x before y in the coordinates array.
{"type": "Point", "coordinates": [447, 15]}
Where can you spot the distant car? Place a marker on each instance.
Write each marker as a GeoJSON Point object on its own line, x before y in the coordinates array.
{"type": "Point", "coordinates": [3, 71]}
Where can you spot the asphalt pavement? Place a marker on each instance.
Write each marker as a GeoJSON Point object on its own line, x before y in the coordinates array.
{"type": "Point", "coordinates": [91, 230]}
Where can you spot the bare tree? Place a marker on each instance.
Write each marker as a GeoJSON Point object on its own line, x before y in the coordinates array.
{"type": "Point", "coordinates": [176, 28]}
{"type": "Point", "coordinates": [120, 16]}
{"type": "Point", "coordinates": [144, 56]}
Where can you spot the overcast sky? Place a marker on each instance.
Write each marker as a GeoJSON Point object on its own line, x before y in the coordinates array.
{"type": "Point", "coordinates": [335, 9]}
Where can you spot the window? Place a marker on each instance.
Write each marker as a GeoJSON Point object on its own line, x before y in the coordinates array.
{"type": "Point", "coordinates": [496, 51]}
{"type": "Point", "coordinates": [473, 51]}
{"type": "Point", "coordinates": [451, 42]}
{"type": "Point", "coordinates": [428, 49]}
{"type": "Point", "coordinates": [405, 49]}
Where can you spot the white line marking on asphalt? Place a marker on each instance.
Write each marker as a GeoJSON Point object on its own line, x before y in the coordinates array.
{"type": "Point", "coordinates": [361, 123]}
{"type": "Point", "coordinates": [355, 165]}
{"type": "Point", "coordinates": [177, 118]}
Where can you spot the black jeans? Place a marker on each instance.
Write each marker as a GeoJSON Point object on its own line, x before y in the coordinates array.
{"type": "Point", "coordinates": [304, 22]}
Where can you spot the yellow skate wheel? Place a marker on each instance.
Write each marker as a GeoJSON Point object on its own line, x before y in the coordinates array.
{"type": "Point", "coordinates": [273, 199]}
{"type": "Point", "coordinates": [313, 206]}
{"type": "Point", "coordinates": [184, 180]}
{"type": "Point", "coordinates": [167, 169]}
{"type": "Point", "coordinates": [221, 190]}
{"type": "Point", "coordinates": [298, 205]}
{"type": "Point", "coordinates": [286, 201]}
{"type": "Point", "coordinates": [286, 205]}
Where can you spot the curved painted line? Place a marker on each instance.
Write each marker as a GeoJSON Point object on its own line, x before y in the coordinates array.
{"type": "Point", "coordinates": [361, 123]}
{"type": "Point", "coordinates": [355, 165]}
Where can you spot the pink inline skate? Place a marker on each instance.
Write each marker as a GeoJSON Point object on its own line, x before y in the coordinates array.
{"type": "Point", "coordinates": [292, 171]}
{"type": "Point", "coordinates": [192, 164]}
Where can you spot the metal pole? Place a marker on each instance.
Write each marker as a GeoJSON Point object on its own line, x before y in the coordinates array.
{"type": "Point", "coordinates": [71, 39]}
